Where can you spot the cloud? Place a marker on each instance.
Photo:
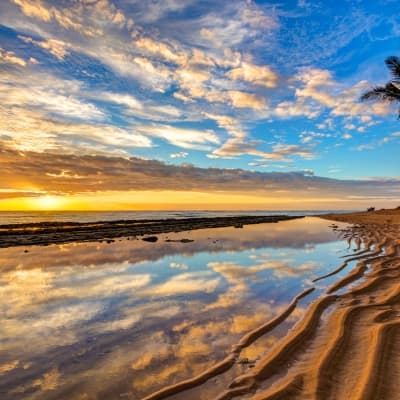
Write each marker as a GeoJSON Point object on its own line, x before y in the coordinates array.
{"type": "Point", "coordinates": [75, 16]}
{"type": "Point", "coordinates": [56, 47]}
{"type": "Point", "coordinates": [181, 154]}
{"type": "Point", "coordinates": [34, 8]}
{"type": "Point", "coordinates": [290, 109]}
{"type": "Point", "coordinates": [47, 93]}
{"type": "Point", "coordinates": [240, 144]}
{"type": "Point", "coordinates": [189, 282]}
{"type": "Point", "coordinates": [179, 266]}
{"type": "Point", "coordinates": [125, 63]}
{"type": "Point", "coordinates": [161, 50]}
{"type": "Point", "coordinates": [148, 73]}
{"type": "Point", "coordinates": [122, 98]}
{"type": "Point", "coordinates": [192, 79]}
{"type": "Point", "coordinates": [240, 99]}
{"type": "Point", "coordinates": [240, 22]}
{"type": "Point", "coordinates": [315, 79]}
{"type": "Point", "coordinates": [292, 149]}
{"type": "Point", "coordinates": [33, 130]}
{"type": "Point", "coordinates": [105, 173]}
{"type": "Point", "coordinates": [9, 57]}
{"type": "Point", "coordinates": [254, 74]}
{"type": "Point", "coordinates": [373, 145]}
{"type": "Point", "coordinates": [318, 86]}
{"type": "Point", "coordinates": [154, 10]}
{"type": "Point", "coordinates": [235, 273]}
{"type": "Point", "coordinates": [183, 97]}
{"type": "Point", "coordinates": [143, 109]}
{"type": "Point", "coordinates": [181, 137]}
{"type": "Point", "coordinates": [49, 381]}
{"type": "Point", "coordinates": [280, 152]}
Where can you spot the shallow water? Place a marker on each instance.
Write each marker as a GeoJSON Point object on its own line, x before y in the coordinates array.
{"type": "Point", "coordinates": [24, 217]}
{"type": "Point", "coordinates": [121, 320]}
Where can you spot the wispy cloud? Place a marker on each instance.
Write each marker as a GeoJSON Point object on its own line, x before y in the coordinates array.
{"type": "Point", "coordinates": [56, 47]}
{"type": "Point", "coordinates": [9, 57]}
{"type": "Point", "coordinates": [181, 137]}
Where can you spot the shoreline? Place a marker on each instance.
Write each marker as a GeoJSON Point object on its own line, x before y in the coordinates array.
{"type": "Point", "coordinates": [379, 217]}
{"type": "Point", "coordinates": [348, 340]}
{"type": "Point", "coordinates": [47, 233]}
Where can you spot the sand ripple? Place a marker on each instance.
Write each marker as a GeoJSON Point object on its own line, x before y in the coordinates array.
{"type": "Point", "coordinates": [347, 345]}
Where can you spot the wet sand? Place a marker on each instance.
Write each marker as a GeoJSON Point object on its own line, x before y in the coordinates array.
{"type": "Point", "coordinates": [347, 345]}
{"type": "Point", "coordinates": [47, 233]}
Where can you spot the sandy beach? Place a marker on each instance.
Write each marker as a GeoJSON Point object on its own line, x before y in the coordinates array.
{"type": "Point", "coordinates": [198, 200]}
{"type": "Point", "coordinates": [347, 345]}
{"type": "Point", "coordinates": [334, 335]}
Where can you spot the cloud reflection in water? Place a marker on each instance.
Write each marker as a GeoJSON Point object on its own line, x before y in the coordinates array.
{"type": "Point", "coordinates": [95, 319]}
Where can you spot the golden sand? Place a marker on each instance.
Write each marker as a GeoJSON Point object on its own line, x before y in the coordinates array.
{"type": "Point", "coordinates": [347, 345]}
{"type": "Point", "coordinates": [380, 217]}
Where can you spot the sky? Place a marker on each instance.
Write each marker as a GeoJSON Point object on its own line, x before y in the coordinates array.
{"type": "Point", "coordinates": [185, 104]}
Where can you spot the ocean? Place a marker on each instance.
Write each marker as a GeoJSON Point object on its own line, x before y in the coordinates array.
{"type": "Point", "coordinates": [22, 217]}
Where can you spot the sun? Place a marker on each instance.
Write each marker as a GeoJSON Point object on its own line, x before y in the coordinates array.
{"type": "Point", "coordinates": [48, 202]}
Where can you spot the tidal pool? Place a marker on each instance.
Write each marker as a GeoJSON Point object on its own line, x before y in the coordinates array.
{"type": "Point", "coordinates": [124, 319]}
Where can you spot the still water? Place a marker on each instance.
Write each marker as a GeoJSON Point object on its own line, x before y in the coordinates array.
{"type": "Point", "coordinates": [24, 217]}
{"type": "Point", "coordinates": [121, 320]}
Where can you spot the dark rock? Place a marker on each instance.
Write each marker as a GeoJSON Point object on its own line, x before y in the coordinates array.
{"type": "Point", "coordinates": [180, 240]}
{"type": "Point", "coordinates": [150, 239]}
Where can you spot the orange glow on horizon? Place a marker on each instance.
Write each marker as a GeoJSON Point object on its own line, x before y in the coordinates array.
{"type": "Point", "coordinates": [177, 200]}
{"type": "Point", "coordinates": [48, 202]}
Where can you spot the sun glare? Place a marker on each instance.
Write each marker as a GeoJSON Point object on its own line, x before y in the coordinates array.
{"type": "Point", "coordinates": [48, 202]}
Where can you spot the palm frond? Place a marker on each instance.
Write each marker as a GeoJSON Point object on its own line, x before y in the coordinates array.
{"type": "Point", "coordinates": [388, 93]}
{"type": "Point", "coordinates": [393, 63]}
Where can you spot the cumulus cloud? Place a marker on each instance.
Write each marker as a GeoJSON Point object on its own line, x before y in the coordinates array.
{"type": "Point", "coordinates": [240, 99]}
{"type": "Point", "coordinates": [254, 74]}
{"type": "Point", "coordinates": [317, 85]}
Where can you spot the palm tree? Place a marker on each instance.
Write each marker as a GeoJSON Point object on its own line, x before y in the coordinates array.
{"type": "Point", "coordinates": [391, 91]}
